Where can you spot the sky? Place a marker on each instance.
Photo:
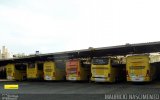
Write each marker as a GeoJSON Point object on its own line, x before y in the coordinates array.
{"type": "Point", "coordinates": [63, 25]}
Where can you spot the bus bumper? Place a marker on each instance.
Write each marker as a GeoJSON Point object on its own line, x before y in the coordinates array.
{"type": "Point", "coordinates": [48, 78]}
{"type": "Point", "coordinates": [137, 79]}
{"type": "Point", "coordinates": [100, 79]}
{"type": "Point", "coordinates": [10, 77]}
{"type": "Point", "coordinates": [73, 78]}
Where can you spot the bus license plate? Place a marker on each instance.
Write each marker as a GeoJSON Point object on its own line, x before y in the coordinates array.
{"type": "Point", "coordinates": [100, 80]}
{"type": "Point", "coordinates": [9, 77]}
{"type": "Point", "coordinates": [72, 78]}
{"type": "Point", "coordinates": [138, 79]}
{"type": "Point", "coordinates": [48, 78]}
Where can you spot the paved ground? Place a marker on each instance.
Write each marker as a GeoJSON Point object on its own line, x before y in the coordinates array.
{"type": "Point", "coordinates": [77, 90]}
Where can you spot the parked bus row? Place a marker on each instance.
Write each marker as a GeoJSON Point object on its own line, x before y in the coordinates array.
{"type": "Point", "coordinates": [133, 68]}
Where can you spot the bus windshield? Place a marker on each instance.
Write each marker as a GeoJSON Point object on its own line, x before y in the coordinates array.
{"type": "Point", "coordinates": [100, 61]}
{"type": "Point", "coordinates": [72, 70]}
{"type": "Point", "coordinates": [31, 65]}
{"type": "Point", "coordinates": [20, 67]}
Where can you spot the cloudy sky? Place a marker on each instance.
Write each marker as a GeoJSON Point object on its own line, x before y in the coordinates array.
{"type": "Point", "coordinates": [62, 25]}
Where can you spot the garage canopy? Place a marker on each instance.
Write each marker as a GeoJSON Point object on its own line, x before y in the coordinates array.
{"type": "Point", "coordinates": [91, 52]}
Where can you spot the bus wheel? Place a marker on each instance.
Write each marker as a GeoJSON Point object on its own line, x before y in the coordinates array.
{"type": "Point", "coordinates": [64, 78]}
{"type": "Point", "coordinates": [116, 79]}
{"type": "Point", "coordinates": [24, 78]}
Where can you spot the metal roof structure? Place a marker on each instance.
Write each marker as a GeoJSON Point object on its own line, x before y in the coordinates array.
{"type": "Point", "coordinates": [91, 52]}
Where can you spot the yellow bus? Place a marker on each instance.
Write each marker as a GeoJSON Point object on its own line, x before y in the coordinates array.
{"type": "Point", "coordinates": [76, 70]}
{"type": "Point", "coordinates": [35, 71]}
{"type": "Point", "coordinates": [16, 71]}
{"type": "Point", "coordinates": [139, 68]}
{"type": "Point", "coordinates": [106, 69]}
{"type": "Point", "coordinates": [54, 70]}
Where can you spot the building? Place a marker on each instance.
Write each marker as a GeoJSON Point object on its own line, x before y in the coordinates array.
{"type": "Point", "coordinates": [19, 55]}
{"type": "Point", "coordinates": [4, 54]}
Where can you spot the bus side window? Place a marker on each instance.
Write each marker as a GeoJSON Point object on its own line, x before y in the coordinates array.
{"type": "Point", "coordinates": [31, 65]}
{"type": "Point", "coordinates": [82, 64]}
{"type": "Point", "coordinates": [111, 61]}
{"type": "Point", "coordinates": [20, 67]}
{"type": "Point", "coordinates": [114, 62]}
{"type": "Point", "coordinates": [40, 66]}
{"type": "Point", "coordinates": [60, 65]}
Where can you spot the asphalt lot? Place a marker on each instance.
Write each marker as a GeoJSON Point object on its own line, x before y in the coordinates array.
{"type": "Point", "coordinates": [74, 90]}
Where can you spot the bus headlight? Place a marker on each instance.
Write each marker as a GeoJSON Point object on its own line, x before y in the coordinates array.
{"type": "Point", "coordinates": [94, 71]}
